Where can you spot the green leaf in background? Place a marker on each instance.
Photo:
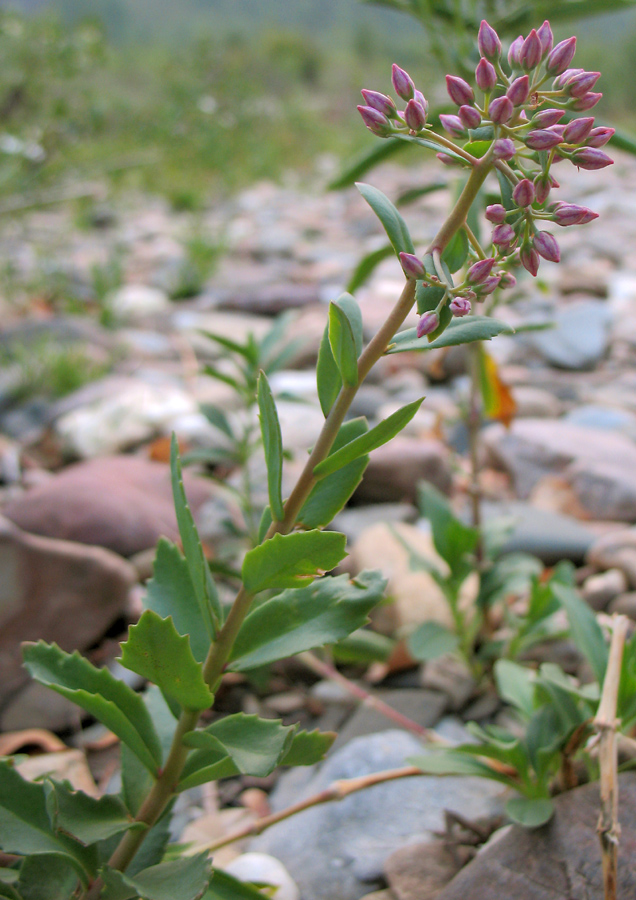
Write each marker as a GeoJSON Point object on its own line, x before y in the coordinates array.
{"type": "Point", "coordinates": [430, 145]}
{"type": "Point", "coordinates": [367, 265]}
{"type": "Point", "coordinates": [460, 331]}
{"type": "Point", "coordinates": [225, 887]}
{"type": "Point", "coordinates": [453, 540]}
{"type": "Point", "coordinates": [136, 780]}
{"type": "Point", "coordinates": [111, 701]}
{"type": "Point", "coordinates": [255, 745]}
{"type": "Point", "coordinates": [46, 878]}
{"type": "Point", "coordinates": [273, 445]}
{"type": "Point", "coordinates": [86, 818]}
{"type": "Point", "coordinates": [413, 194]}
{"type": "Point", "coordinates": [157, 651]}
{"type": "Point", "coordinates": [371, 440]}
{"type": "Point", "coordinates": [431, 640]}
{"type": "Point", "coordinates": [263, 525]}
{"type": "Point", "coordinates": [515, 685]}
{"type": "Point", "coordinates": [328, 377]}
{"type": "Point", "coordinates": [586, 632]}
{"type": "Point", "coordinates": [217, 417]}
{"type": "Point", "coordinates": [204, 588]}
{"type": "Point", "coordinates": [451, 762]}
{"type": "Point", "coordinates": [379, 152]}
{"type": "Point", "coordinates": [530, 812]}
{"type": "Point", "coordinates": [456, 251]}
{"type": "Point", "coordinates": [181, 879]}
{"type": "Point", "coordinates": [363, 647]}
{"type": "Point", "coordinates": [325, 612]}
{"type": "Point", "coordinates": [170, 592]}
{"type": "Point", "coordinates": [308, 748]}
{"type": "Point", "coordinates": [342, 344]}
{"type": "Point", "coordinates": [351, 309]}
{"type": "Point", "coordinates": [292, 560]}
{"type": "Point", "coordinates": [330, 494]}
{"type": "Point", "coordinates": [392, 222]}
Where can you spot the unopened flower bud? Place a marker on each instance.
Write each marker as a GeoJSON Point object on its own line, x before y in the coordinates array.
{"type": "Point", "coordinates": [542, 139]}
{"type": "Point", "coordinates": [531, 52]}
{"type": "Point", "coordinates": [460, 306]}
{"type": "Point", "coordinates": [488, 285]}
{"type": "Point", "coordinates": [447, 160]}
{"type": "Point", "coordinates": [518, 91]}
{"type": "Point", "coordinates": [529, 259]}
{"type": "Point", "coordinates": [488, 41]}
{"type": "Point", "coordinates": [576, 131]}
{"type": "Point", "coordinates": [507, 281]}
{"type": "Point", "coordinates": [561, 57]}
{"type": "Point", "coordinates": [562, 80]}
{"type": "Point", "coordinates": [546, 246]}
{"type": "Point", "coordinates": [427, 324]}
{"type": "Point", "coordinates": [485, 75]}
{"type": "Point", "coordinates": [480, 270]}
{"type": "Point", "coordinates": [546, 117]}
{"type": "Point", "coordinates": [600, 136]}
{"type": "Point", "coordinates": [500, 110]}
{"type": "Point", "coordinates": [421, 99]}
{"type": "Point", "coordinates": [523, 193]}
{"type": "Point", "coordinates": [415, 115]}
{"type": "Point", "coordinates": [588, 216]}
{"type": "Point", "coordinates": [587, 101]}
{"type": "Point", "coordinates": [469, 116]}
{"type": "Point", "coordinates": [375, 121]}
{"type": "Point", "coordinates": [412, 266]}
{"type": "Point", "coordinates": [542, 187]}
{"type": "Point", "coordinates": [579, 85]}
{"type": "Point", "coordinates": [496, 213]}
{"type": "Point", "coordinates": [591, 158]}
{"type": "Point", "coordinates": [503, 235]}
{"type": "Point", "coordinates": [381, 102]}
{"type": "Point", "coordinates": [514, 53]}
{"type": "Point", "coordinates": [459, 90]}
{"type": "Point", "coordinates": [453, 125]}
{"type": "Point", "coordinates": [503, 148]}
{"type": "Point", "coordinates": [546, 37]}
{"type": "Point", "coordinates": [402, 83]}
{"type": "Point", "coordinates": [566, 214]}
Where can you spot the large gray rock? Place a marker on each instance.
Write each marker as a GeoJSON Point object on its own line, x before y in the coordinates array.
{"type": "Point", "coordinates": [338, 850]}
{"type": "Point", "coordinates": [560, 861]}
{"type": "Point", "coordinates": [580, 336]}
{"type": "Point", "coordinates": [395, 469]}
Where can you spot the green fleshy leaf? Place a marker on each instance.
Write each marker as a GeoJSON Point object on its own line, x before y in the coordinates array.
{"type": "Point", "coordinates": [367, 265]}
{"type": "Point", "coordinates": [371, 440]}
{"type": "Point", "coordinates": [153, 848]}
{"type": "Point", "coordinates": [263, 526]}
{"type": "Point", "coordinates": [323, 613]}
{"type": "Point", "coordinates": [204, 588]}
{"type": "Point", "coordinates": [460, 331]}
{"type": "Point", "coordinates": [342, 344]}
{"type": "Point", "coordinates": [363, 647]}
{"type": "Point", "coordinates": [456, 251]}
{"type": "Point", "coordinates": [111, 701]}
{"type": "Point", "coordinates": [308, 748]}
{"type": "Point", "coordinates": [203, 766]}
{"type": "Point", "coordinates": [170, 592]}
{"type": "Point", "coordinates": [292, 560]}
{"type": "Point", "coordinates": [431, 640]}
{"type": "Point", "coordinates": [225, 887]}
{"type": "Point", "coordinates": [86, 818]}
{"type": "Point", "coordinates": [586, 632]}
{"type": "Point", "coordinates": [477, 149]}
{"type": "Point", "coordinates": [157, 651]}
{"type": "Point", "coordinates": [530, 812]}
{"type": "Point", "coordinates": [450, 762]}
{"type": "Point", "coordinates": [328, 377]}
{"type": "Point", "coordinates": [217, 417]}
{"type": "Point", "coordinates": [506, 190]}
{"type": "Point", "coordinates": [273, 445]}
{"type": "Point", "coordinates": [350, 308]}
{"type": "Point", "coordinates": [46, 878]}
{"type": "Point", "coordinates": [453, 540]}
{"type": "Point", "coordinates": [181, 879]}
{"type": "Point", "coordinates": [330, 494]}
{"type": "Point", "coordinates": [426, 297]}
{"type": "Point", "coordinates": [378, 152]}
{"type": "Point", "coordinates": [255, 745]}
{"type": "Point", "coordinates": [392, 222]}
{"type": "Point", "coordinates": [515, 684]}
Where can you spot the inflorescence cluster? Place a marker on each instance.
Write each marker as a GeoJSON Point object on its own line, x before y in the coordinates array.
{"type": "Point", "coordinates": [515, 126]}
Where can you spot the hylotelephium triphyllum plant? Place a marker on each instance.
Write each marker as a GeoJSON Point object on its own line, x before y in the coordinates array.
{"type": "Point", "coordinates": [114, 847]}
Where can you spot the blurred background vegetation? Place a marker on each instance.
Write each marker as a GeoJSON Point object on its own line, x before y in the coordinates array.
{"type": "Point", "coordinates": [196, 98]}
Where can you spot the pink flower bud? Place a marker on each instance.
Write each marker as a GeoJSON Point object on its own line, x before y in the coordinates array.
{"type": "Point", "coordinates": [507, 281]}
{"type": "Point", "coordinates": [557, 129]}
{"type": "Point", "coordinates": [480, 270]}
{"type": "Point", "coordinates": [565, 77]}
{"type": "Point", "coordinates": [460, 306]}
{"type": "Point", "coordinates": [453, 125]}
{"type": "Point", "coordinates": [546, 37]}
{"type": "Point", "coordinates": [566, 214]}
{"type": "Point", "coordinates": [542, 187]}
{"type": "Point", "coordinates": [523, 193]}
{"type": "Point", "coordinates": [531, 52]}
{"type": "Point", "coordinates": [496, 213]}
{"type": "Point", "coordinates": [518, 91]}
{"type": "Point", "coordinates": [587, 101]}
{"type": "Point", "coordinates": [576, 131]}
{"type": "Point", "coordinates": [485, 75]}
{"type": "Point", "coordinates": [529, 259]}
{"type": "Point", "coordinates": [415, 115]}
{"type": "Point", "coordinates": [503, 235]}
{"type": "Point", "coordinates": [402, 83]}
{"type": "Point", "coordinates": [488, 41]}
{"type": "Point", "coordinates": [469, 116]}
{"type": "Point", "coordinates": [503, 148]}
{"type": "Point", "coordinates": [488, 286]}
{"type": "Point", "coordinates": [514, 53]}
{"type": "Point", "coordinates": [547, 117]}
{"type": "Point", "coordinates": [381, 102]}
{"type": "Point", "coordinates": [561, 57]}
{"type": "Point", "coordinates": [450, 161]}
{"type": "Point", "coordinates": [542, 139]}
{"type": "Point", "coordinates": [412, 266]}
{"type": "Point", "coordinates": [459, 90]}
{"type": "Point", "coordinates": [500, 110]}
{"type": "Point", "coordinates": [591, 158]}
{"type": "Point", "coordinates": [579, 85]}
{"type": "Point", "coordinates": [588, 216]}
{"type": "Point", "coordinates": [600, 136]}
{"type": "Point", "coordinates": [375, 121]}
{"type": "Point", "coordinates": [421, 99]}
{"type": "Point", "coordinates": [427, 324]}
{"type": "Point", "coordinates": [546, 246]}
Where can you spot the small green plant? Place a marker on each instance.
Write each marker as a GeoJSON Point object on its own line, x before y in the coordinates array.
{"type": "Point", "coordinates": [44, 369]}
